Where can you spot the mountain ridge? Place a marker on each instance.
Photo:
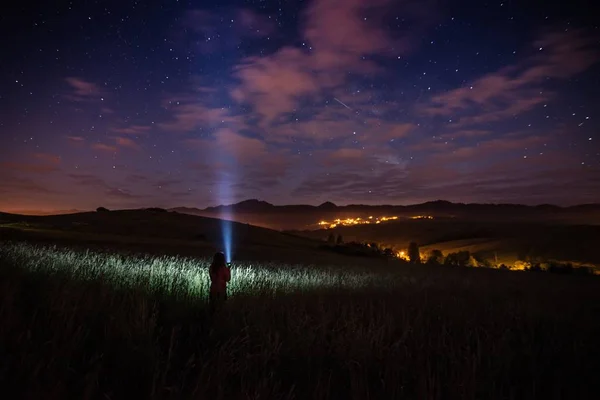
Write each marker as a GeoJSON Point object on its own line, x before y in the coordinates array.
{"type": "Point", "coordinates": [256, 205]}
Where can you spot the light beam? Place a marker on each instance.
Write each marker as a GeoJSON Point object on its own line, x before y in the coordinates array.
{"type": "Point", "coordinates": [225, 198]}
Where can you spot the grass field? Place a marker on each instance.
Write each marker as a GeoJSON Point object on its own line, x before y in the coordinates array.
{"type": "Point", "coordinates": [96, 325]}
{"type": "Point", "coordinates": [131, 231]}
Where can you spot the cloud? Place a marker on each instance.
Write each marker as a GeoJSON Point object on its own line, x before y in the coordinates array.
{"type": "Point", "coordinates": [167, 183]}
{"type": "Point", "coordinates": [50, 159]}
{"type": "Point", "coordinates": [104, 147]}
{"type": "Point", "coordinates": [94, 182]}
{"type": "Point", "coordinates": [136, 178]}
{"type": "Point", "coordinates": [339, 39]}
{"type": "Point", "coordinates": [274, 84]}
{"type": "Point", "coordinates": [340, 32]}
{"type": "Point", "coordinates": [18, 188]}
{"type": "Point", "coordinates": [82, 90]}
{"type": "Point", "coordinates": [551, 178]}
{"type": "Point", "coordinates": [189, 115]}
{"type": "Point", "coordinates": [88, 180]}
{"type": "Point", "coordinates": [345, 154]}
{"type": "Point", "coordinates": [519, 88]}
{"type": "Point", "coordinates": [509, 146]}
{"type": "Point", "coordinates": [119, 142]}
{"type": "Point", "coordinates": [228, 143]}
{"type": "Point", "coordinates": [224, 30]}
{"type": "Point", "coordinates": [122, 194]}
{"type": "Point", "coordinates": [126, 142]}
{"type": "Point", "coordinates": [37, 168]}
{"type": "Point", "coordinates": [243, 164]}
{"type": "Point", "coordinates": [331, 123]}
{"type": "Point", "coordinates": [133, 130]}
{"type": "Point", "coordinates": [254, 24]}
{"type": "Point", "coordinates": [466, 134]}
{"type": "Point", "coordinates": [243, 148]}
{"type": "Point", "coordinates": [381, 184]}
{"type": "Point", "coordinates": [75, 139]}
{"type": "Point", "coordinates": [42, 163]}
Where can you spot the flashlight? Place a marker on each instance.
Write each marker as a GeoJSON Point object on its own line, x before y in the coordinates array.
{"type": "Point", "coordinates": [229, 264]}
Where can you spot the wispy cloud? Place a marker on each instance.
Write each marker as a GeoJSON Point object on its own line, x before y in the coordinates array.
{"type": "Point", "coordinates": [227, 143]}
{"type": "Point", "coordinates": [47, 158]}
{"type": "Point", "coordinates": [136, 130]}
{"type": "Point", "coordinates": [19, 188]}
{"type": "Point", "coordinates": [188, 114]}
{"type": "Point", "coordinates": [119, 143]}
{"type": "Point", "coordinates": [253, 23]}
{"type": "Point", "coordinates": [82, 90]}
{"type": "Point", "coordinates": [519, 88]}
{"type": "Point", "coordinates": [210, 32]}
{"type": "Point", "coordinates": [104, 147]}
{"type": "Point", "coordinates": [127, 142]}
{"type": "Point", "coordinates": [338, 39]}
{"type": "Point", "coordinates": [38, 163]}
{"type": "Point", "coordinates": [37, 168]}
{"type": "Point", "coordinates": [94, 182]}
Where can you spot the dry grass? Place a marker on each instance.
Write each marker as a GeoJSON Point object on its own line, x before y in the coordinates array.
{"type": "Point", "coordinates": [99, 326]}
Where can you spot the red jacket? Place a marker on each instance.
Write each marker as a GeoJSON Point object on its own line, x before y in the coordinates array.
{"type": "Point", "coordinates": [219, 279]}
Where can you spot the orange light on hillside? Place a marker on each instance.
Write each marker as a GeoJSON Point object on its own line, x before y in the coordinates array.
{"type": "Point", "coordinates": [355, 221]}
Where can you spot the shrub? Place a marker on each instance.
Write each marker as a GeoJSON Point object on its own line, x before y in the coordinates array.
{"type": "Point", "coordinates": [413, 253]}
{"type": "Point", "coordinates": [331, 238]}
{"type": "Point", "coordinates": [435, 256]}
{"type": "Point", "coordinates": [458, 259]}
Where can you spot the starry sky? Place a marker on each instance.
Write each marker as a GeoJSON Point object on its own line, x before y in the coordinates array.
{"type": "Point", "coordinates": [128, 104]}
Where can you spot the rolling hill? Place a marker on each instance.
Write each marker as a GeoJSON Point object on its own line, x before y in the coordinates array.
{"type": "Point", "coordinates": [303, 217]}
{"type": "Point", "coordinates": [506, 241]}
{"type": "Point", "coordinates": [162, 232]}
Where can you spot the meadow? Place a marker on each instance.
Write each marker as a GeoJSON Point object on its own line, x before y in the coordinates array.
{"type": "Point", "coordinates": [100, 325]}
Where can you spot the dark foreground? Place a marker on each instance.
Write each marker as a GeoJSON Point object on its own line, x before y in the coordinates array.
{"type": "Point", "coordinates": [444, 334]}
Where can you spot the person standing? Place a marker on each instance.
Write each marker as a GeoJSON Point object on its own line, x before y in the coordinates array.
{"type": "Point", "coordinates": [220, 275]}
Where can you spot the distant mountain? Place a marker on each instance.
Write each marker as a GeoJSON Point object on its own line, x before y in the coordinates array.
{"type": "Point", "coordinates": [260, 206]}
{"type": "Point", "coordinates": [187, 210]}
{"type": "Point", "coordinates": [327, 206]}
{"type": "Point", "coordinates": [303, 216]}
{"type": "Point", "coordinates": [248, 206]}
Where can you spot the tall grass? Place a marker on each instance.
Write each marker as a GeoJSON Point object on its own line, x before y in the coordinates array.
{"type": "Point", "coordinates": [184, 277]}
{"type": "Point", "coordinates": [97, 325]}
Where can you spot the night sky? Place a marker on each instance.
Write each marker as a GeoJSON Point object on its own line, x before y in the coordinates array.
{"type": "Point", "coordinates": [128, 104]}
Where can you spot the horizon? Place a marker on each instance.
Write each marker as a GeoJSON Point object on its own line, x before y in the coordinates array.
{"type": "Point", "coordinates": [349, 101]}
{"type": "Point", "coordinates": [74, 211]}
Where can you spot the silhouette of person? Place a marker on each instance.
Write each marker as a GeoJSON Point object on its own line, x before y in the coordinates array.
{"type": "Point", "coordinates": [220, 275]}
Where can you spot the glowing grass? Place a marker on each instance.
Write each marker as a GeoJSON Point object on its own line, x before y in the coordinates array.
{"type": "Point", "coordinates": [182, 276]}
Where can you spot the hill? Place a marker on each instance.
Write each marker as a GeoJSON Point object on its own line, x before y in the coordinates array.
{"type": "Point", "coordinates": [302, 217]}
{"type": "Point", "coordinates": [151, 231]}
{"type": "Point", "coordinates": [507, 241]}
